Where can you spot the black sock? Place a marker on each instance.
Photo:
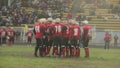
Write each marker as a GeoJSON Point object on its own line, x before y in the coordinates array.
{"type": "Point", "coordinates": [36, 49]}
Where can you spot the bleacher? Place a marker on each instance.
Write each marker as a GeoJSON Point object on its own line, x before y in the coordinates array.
{"type": "Point", "coordinates": [30, 10]}
{"type": "Point", "coordinates": [100, 23]}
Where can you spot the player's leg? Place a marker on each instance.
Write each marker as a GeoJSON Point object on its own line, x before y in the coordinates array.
{"type": "Point", "coordinates": [67, 48]}
{"type": "Point", "coordinates": [3, 41]}
{"type": "Point", "coordinates": [105, 45]}
{"type": "Point", "coordinates": [28, 41]}
{"type": "Point", "coordinates": [9, 41]}
{"type": "Point", "coordinates": [63, 43]}
{"type": "Point", "coordinates": [45, 45]}
{"type": "Point", "coordinates": [41, 51]}
{"type": "Point", "coordinates": [0, 40]}
{"type": "Point", "coordinates": [50, 42]}
{"type": "Point", "coordinates": [77, 52]}
{"type": "Point", "coordinates": [36, 48]}
{"type": "Point", "coordinates": [86, 48]}
{"type": "Point", "coordinates": [55, 46]}
{"type": "Point", "coordinates": [108, 45]}
{"type": "Point", "coordinates": [12, 40]}
{"type": "Point", "coordinates": [72, 50]}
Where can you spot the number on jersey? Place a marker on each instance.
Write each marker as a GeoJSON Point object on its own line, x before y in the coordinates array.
{"type": "Point", "coordinates": [37, 29]}
{"type": "Point", "coordinates": [10, 33]}
{"type": "Point", "coordinates": [75, 31]}
{"type": "Point", "coordinates": [3, 34]}
{"type": "Point", "coordinates": [58, 28]}
{"type": "Point", "coordinates": [29, 34]}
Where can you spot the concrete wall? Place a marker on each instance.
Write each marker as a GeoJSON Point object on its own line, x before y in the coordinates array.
{"type": "Point", "coordinates": [99, 36]}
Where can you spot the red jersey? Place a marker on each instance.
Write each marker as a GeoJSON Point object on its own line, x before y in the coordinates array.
{"type": "Point", "coordinates": [30, 34]}
{"type": "Point", "coordinates": [0, 33]}
{"type": "Point", "coordinates": [58, 29]}
{"type": "Point", "coordinates": [65, 31]}
{"type": "Point", "coordinates": [87, 30]}
{"type": "Point", "coordinates": [48, 26]}
{"type": "Point", "coordinates": [3, 33]}
{"type": "Point", "coordinates": [11, 33]}
{"type": "Point", "coordinates": [107, 37]}
{"type": "Point", "coordinates": [49, 31]}
{"type": "Point", "coordinates": [39, 30]}
{"type": "Point", "coordinates": [75, 31]}
{"type": "Point", "coordinates": [69, 16]}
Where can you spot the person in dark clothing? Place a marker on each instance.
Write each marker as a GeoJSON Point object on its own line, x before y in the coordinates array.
{"type": "Point", "coordinates": [115, 40]}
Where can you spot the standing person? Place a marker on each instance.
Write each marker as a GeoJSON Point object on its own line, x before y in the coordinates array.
{"type": "Point", "coordinates": [49, 25]}
{"type": "Point", "coordinates": [39, 33]}
{"type": "Point", "coordinates": [45, 38]}
{"type": "Point", "coordinates": [57, 36]}
{"type": "Point", "coordinates": [65, 38]}
{"type": "Point", "coordinates": [29, 37]}
{"type": "Point", "coordinates": [11, 35]}
{"type": "Point", "coordinates": [0, 37]}
{"type": "Point", "coordinates": [3, 36]}
{"type": "Point", "coordinates": [75, 37]}
{"type": "Point", "coordinates": [69, 16]}
{"type": "Point", "coordinates": [107, 39]}
{"type": "Point", "coordinates": [87, 34]}
{"type": "Point", "coordinates": [115, 40]}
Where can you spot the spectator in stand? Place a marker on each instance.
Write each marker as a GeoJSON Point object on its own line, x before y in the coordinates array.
{"type": "Point", "coordinates": [117, 16]}
{"type": "Point", "coordinates": [69, 16]}
{"type": "Point", "coordinates": [43, 6]}
{"type": "Point", "coordinates": [105, 18]}
{"type": "Point", "coordinates": [79, 19]}
{"type": "Point", "coordinates": [84, 18]}
{"type": "Point", "coordinates": [4, 11]}
{"type": "Point", "coordinates": [1, 19]}
{"type": "Point", "coordinates": [92, 11]}
{"type": "Point", "coordinates": [17, 15]}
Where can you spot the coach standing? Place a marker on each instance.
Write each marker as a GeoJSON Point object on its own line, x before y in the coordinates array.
{"type": "Point", "coordinates": [107, 40]}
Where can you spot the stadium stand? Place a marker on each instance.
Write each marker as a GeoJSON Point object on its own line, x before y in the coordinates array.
{"type": "Point", "coordinates": [102, 17]}
{"type": "Point", "coordinates": [99, 14]}
{"type": "Point", "coordinates": [28, 12]}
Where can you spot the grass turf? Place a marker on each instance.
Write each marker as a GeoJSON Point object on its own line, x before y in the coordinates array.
{"type": "Point", "coordinates": [22, 57]}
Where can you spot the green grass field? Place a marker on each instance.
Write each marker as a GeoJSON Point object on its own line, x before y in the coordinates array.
{"type": "Point", "coordinates": [22, 57]}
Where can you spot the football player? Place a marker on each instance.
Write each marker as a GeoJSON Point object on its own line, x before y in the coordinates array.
{"type": "Point", "coordinates": [87, 35]}
{"type": "Point", "coordinates": [39, 34]}
{"type": "Point", "coordinates": [11, 35]}
{"type": "Point", "coordinates": [75, 37]}
{"type": "Point", "coordinates": [29, 37]}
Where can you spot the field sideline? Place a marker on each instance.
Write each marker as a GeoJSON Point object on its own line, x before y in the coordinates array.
{"type": "Point", "coordinates": [22, 57]}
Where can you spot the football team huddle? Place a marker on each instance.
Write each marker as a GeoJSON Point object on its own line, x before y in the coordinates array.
{"type": "Point", "coordinates": [63, 37]}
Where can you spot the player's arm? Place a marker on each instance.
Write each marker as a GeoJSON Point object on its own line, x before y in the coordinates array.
{"type": "Point", "coordinates": [52, 30]}
{"type": "Point", "coordinates": [14, 33]}
{"type": "Point", "coordinates": [64, 29]}
{"type": "Point", "coordinates": [34, 30]}
{"type": "Point", "coordinates": [44, 30]}
{"type": "Point", "coordinates": [90, 33]}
